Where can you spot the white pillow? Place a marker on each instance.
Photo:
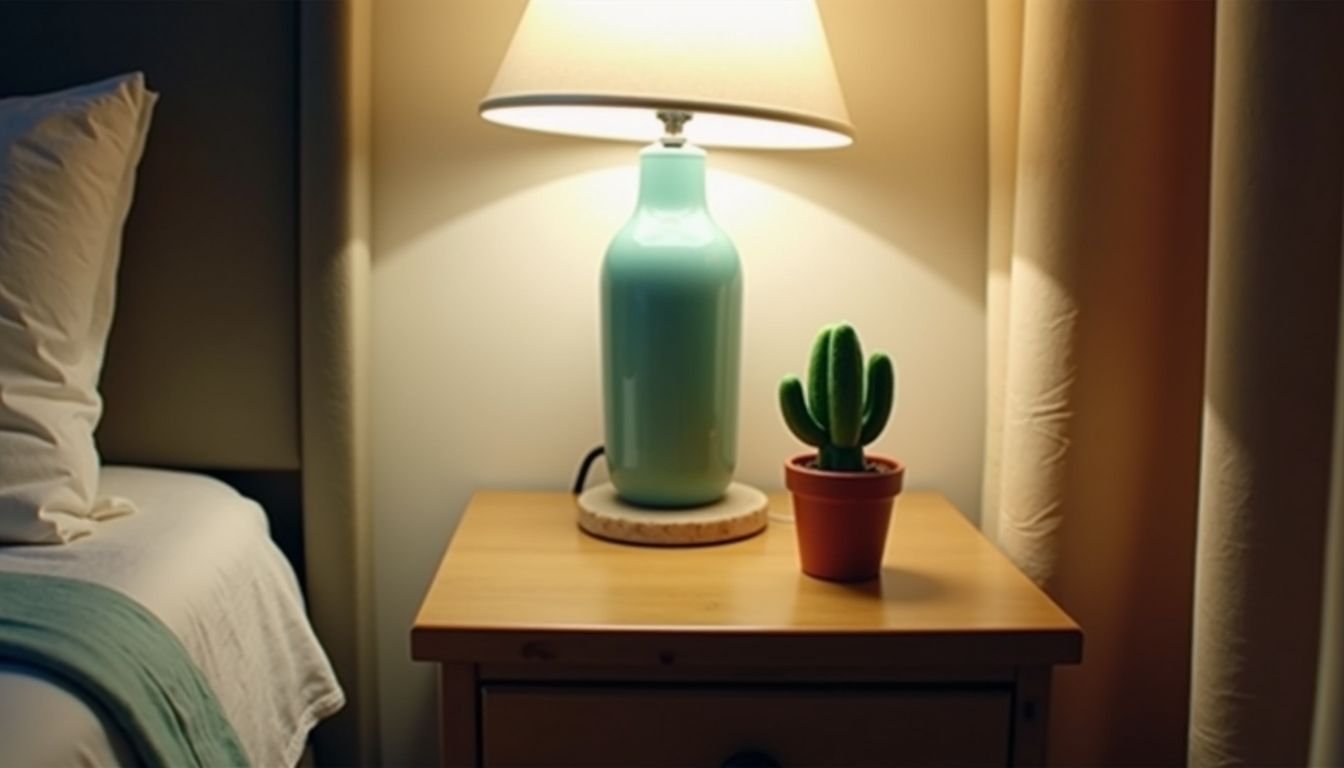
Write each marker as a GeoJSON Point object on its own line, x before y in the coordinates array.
{"type": "Point", "coordinates": [67, 171]}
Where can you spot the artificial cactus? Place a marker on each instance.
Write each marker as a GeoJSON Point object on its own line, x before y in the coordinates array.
{"type": "Point", "coordinates": [838, 416]}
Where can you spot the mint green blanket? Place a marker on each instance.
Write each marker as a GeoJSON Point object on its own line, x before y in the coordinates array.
{"type": "Point", "coordinates": [124, 661]}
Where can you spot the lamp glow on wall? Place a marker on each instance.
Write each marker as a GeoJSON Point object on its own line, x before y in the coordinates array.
{"type": "Point", "coordinates": [679, 73]}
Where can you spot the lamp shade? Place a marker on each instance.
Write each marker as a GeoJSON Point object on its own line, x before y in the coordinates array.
{"type": "Point", "coordinates": [752, 73]}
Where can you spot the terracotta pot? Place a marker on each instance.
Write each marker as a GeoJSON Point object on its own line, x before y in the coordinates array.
{"type": "Point", "coordinates": [841, 518]}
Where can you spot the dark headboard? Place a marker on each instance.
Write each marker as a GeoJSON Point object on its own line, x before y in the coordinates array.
{"type": "Point", "coordinates": [235, 345]}
{"type": "Point", "coordinates": [208, 287]}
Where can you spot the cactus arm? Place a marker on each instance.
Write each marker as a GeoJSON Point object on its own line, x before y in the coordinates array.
{"type": "Point", "coordinates": [792, 404]}
{"type": "Point", "coordinates": [845, 386]}
{"type": "Point", "coordinates": [817, 387]}
{"type": "Point", "coordinates": [881, 393]}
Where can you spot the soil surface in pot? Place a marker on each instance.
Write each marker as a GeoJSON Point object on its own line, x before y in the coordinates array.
{"type": "Point", "coordinates": [869, 467]}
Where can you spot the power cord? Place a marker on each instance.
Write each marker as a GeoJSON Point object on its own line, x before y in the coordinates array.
{"type": "Point", "coordinates": [587, 464]}
{"type": "Point", "coordinates": [582, 477]}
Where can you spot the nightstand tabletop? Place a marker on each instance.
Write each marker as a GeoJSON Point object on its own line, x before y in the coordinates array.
{"type": "Point", "coordinates": [519, 579]}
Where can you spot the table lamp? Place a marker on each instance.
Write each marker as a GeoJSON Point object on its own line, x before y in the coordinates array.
{"type": "Point", "coordinates": [682, 74]}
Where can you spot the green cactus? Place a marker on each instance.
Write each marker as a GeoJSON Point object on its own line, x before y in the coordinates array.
{"type": "Point", "coordinates": [836, 417]}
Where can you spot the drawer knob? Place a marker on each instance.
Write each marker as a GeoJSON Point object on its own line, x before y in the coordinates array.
{"type": "Point", "coordinates": [751, 759]}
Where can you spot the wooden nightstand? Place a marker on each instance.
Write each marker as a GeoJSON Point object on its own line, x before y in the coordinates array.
{"type": "Point", "coordinates": [556, 648]}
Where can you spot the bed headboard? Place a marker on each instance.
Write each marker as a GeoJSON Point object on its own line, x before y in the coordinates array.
{"type": "Point", "coordinates": [235, 347]}
{"type": "Point", "coordinates": [207, 293]}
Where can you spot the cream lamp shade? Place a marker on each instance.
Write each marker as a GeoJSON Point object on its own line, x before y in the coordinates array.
{"type": "Point", "coordinates": [752, 73]}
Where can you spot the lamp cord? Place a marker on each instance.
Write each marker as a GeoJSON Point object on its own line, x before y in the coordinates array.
{"type": "Point", "coordinates": [582, 477]}
{"type": "Point", "coordinates": [585, 466]}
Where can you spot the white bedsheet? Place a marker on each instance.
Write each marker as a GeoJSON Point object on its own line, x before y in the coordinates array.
{"type": "Point", "coordinates": [197, 555]}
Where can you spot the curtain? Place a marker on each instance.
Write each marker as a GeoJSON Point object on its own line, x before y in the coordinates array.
{"type": "Point", "coordinates": [1163, 302]}
{"type": "Point", "coordinates": [333, 231]}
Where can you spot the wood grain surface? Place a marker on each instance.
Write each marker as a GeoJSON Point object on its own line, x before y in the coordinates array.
{"type": "Point", "coordinates": [522, 584]}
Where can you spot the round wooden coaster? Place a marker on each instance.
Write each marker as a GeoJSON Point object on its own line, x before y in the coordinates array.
{"type": "Point", "coordinates": [743, 511]}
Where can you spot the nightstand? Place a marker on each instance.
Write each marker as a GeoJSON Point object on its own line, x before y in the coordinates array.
{"type": "Point", "coordinates": [556, 648]}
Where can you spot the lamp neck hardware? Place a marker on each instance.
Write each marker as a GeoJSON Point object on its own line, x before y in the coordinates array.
{"type": "Point", "coordinates": [673, 122]}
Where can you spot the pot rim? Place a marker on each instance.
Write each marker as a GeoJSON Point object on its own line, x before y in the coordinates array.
{"type": "Point", "coordinates": [802, 479]}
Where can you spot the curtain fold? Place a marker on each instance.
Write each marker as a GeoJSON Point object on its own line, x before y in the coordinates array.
{"type": "Point", "coordinates": [1104, 201]}
{"type": "Point", "coordinates": [1268, 425]}
{"type": "Point", "coordinates": [1004, 55]}
{"type": "Point", "coordinates": [1327, 746]}
{"type": "Point", "coordinates": [1098, 473]}
{"type": "Point", "coordinates": [333, 231]}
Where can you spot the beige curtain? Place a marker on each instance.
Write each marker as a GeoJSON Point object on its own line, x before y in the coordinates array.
{"type": "Point", "coordinates": [1165, 227]}
{"type": "Point", "coordinates": [333, 228]}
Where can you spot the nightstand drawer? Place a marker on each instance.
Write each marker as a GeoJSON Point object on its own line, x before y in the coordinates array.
{"type": "Point", "coordinates": [704, 726]}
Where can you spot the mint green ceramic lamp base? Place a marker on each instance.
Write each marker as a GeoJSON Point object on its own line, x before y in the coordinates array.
{"type": "Point", "coordinates": [671, 336]}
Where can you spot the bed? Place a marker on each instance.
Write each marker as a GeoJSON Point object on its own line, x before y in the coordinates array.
{"type": "Point", "coordinates": [231, 394]}
{"type": "Point", "coordinates": [199, 556]}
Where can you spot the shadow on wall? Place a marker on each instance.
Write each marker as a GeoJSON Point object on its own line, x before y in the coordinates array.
{"type": "Point", "coordinates": [906, 179]}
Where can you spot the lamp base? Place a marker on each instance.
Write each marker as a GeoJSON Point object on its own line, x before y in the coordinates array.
{"type": "Point", "coordinates": [742, 512]}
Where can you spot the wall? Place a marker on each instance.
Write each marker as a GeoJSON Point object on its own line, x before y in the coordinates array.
{"type": "Point", "coordinates": [487, 246]}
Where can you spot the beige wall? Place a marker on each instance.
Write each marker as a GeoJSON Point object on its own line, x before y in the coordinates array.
{"type": "Point", "coordinates": [487, 246]}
